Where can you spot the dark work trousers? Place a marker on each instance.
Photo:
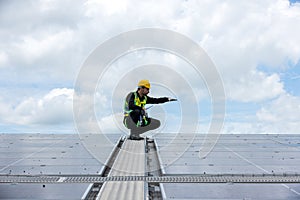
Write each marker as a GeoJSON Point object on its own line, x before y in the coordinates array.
{"type": "Point", "coordinates": [136, 131]}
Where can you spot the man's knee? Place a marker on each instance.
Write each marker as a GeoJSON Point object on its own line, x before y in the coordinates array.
{"type": "Point", "coordinates": [129, 123]}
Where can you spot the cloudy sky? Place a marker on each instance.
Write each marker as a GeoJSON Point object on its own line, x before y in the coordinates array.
{"type": "Point", "coordinates": [255, 46]}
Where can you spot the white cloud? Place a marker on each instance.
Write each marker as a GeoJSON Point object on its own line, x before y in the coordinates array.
{"type": "Point", "coordinates": [34, 48]}
{"type": "Point", "coordinates": [58, 35]}
{"type": "Point", "coordinates": [283, 110]}
{"type": "Point", "coordinates": [255, 86]}
{"type": "Point", "coordinates": [3, 59]}
{"type": "Point", "coordinates": [53, 108]}
{"type": "Point", "coordinates": [282, 115]}
{"type": "Point", "coordinates": [244, 35]}
{"type": "Point", "coordinates": [108, 7]}
{"type": "Point", "coordinates": [58, 92]}
{"type": "Point", "coordinates": [112, 124]}
{"type": "Point", "coordinates": [4, 111]}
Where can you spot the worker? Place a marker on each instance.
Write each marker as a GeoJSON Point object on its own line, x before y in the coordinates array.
{"type": "Point", "coordinates": [135, 115]}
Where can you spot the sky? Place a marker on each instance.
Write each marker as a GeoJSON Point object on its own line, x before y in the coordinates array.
{"type": "Point", "coordinates": [254, 45]}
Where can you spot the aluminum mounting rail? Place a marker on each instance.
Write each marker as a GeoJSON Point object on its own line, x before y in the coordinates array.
{"type": "Point", "coordinates": [207, 178]}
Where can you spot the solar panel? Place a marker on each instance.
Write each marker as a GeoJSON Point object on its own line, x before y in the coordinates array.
{"type": "Point", "coordinates": [64, 154]}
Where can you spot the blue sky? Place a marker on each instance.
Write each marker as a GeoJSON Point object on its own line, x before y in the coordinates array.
{"type": "Point", "coordinates": [294, 1]}
{"type": "Point", "coordinates": [253, 44]}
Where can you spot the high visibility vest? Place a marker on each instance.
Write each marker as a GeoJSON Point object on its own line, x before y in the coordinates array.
{"type": "Point", "coordinates": [137, 102]}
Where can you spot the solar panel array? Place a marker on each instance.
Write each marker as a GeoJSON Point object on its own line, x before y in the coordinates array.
{"type": "Point", "coordinates": [233, 154]}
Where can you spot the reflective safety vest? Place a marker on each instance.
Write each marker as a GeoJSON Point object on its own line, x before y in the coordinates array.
{"type": "Point", "coordinates": [137, 102]}
{"type": "Point", "coordinates": [143, 120]}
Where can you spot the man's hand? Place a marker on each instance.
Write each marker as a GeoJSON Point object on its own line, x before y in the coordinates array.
{"type": "Point", "coordinates": [170, 99]}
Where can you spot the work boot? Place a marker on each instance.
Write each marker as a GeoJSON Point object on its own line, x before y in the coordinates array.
{"type": "Point", "coordinates": [134, 137]}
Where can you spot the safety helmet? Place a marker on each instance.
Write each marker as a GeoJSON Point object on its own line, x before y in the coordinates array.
{"type": "Point", "coordinates": [144, 83]}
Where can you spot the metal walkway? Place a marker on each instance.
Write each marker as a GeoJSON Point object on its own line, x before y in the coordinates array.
{"type": "Point", "coordinates": [129, 162]}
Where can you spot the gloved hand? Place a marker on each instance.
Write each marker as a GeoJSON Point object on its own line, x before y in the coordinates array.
{"type": "Point", "coordinates": [170, 99]}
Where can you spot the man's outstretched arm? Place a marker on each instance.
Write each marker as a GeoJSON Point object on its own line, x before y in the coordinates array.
{"type": "Point", "coordinates": [152, 100]}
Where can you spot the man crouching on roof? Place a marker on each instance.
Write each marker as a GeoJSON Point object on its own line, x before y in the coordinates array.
{"type": "Point", "coordinates": [135, 115]}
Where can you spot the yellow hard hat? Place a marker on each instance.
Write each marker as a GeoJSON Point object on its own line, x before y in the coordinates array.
{"type": "Point", "coordinates": [144, 83]}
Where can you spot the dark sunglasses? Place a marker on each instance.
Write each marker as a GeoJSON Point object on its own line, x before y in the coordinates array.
{"type": "Point", "coordinates": [145, 88]}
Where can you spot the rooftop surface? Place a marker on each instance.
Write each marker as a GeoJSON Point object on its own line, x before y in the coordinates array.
{"type": "Point", "coordinates": [32, 154]}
